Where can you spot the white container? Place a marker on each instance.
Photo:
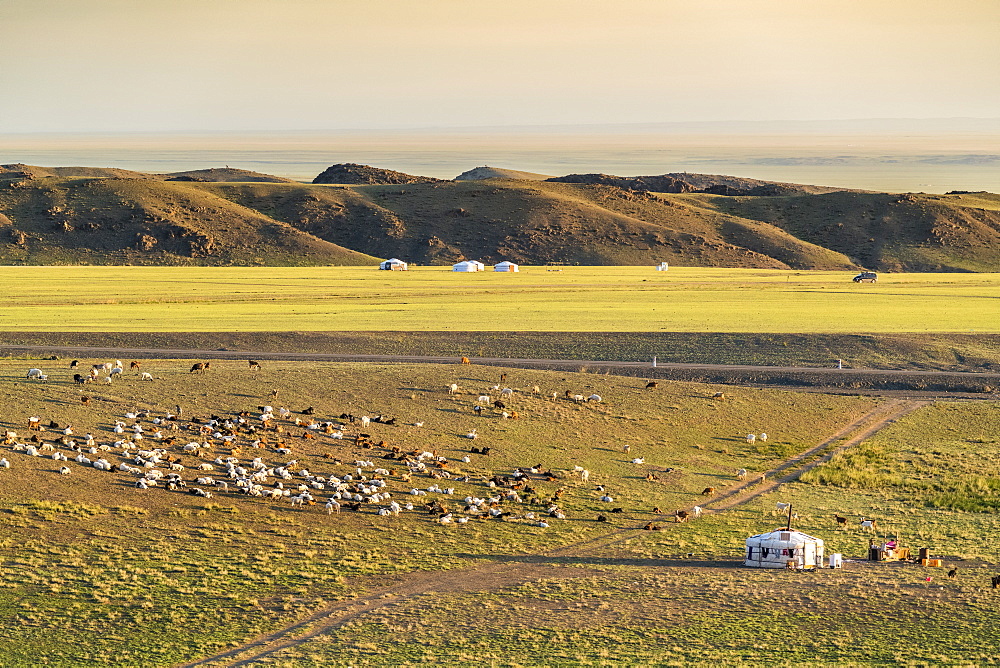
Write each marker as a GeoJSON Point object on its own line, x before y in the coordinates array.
{"type": "Point", "coordinates": [836, 560]}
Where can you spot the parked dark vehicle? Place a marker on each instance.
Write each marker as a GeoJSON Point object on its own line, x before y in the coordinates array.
{"type": "Point", "coordinates": [866, 277]}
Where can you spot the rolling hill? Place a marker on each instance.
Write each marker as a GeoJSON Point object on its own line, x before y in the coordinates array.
{"type": "Point", "coordinates": [99, 216]}
{"type": "Point", "coordinates": [139, 221]}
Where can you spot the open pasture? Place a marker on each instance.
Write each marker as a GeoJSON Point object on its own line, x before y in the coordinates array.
{"type": "Point", "coordinates": [541, 299]}
{"type": "Point", "coordinates": [156, 577]}
{"type": "Point", "coordinates": [673, 598]}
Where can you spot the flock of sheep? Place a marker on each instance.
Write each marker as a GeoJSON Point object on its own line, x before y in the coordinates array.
{"type": "Point", "coordinates": [262, 455]}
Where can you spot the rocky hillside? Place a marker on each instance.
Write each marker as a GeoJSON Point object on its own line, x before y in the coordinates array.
{"type": "Point", "coordinates": [682, 182]}
{"type": "Point", "coordinates": [352, 174]}
{"type": "Point", "coordinates": [103, 218]}
{"type": "Point", "coordinates": [112, 220]}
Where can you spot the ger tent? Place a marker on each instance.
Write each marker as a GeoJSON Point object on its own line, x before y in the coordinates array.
{"type": "Point", "coordinates": [468, 265]}
{"type": "Point", "coordinates": [506, 266]}
{"type": "Point", "coordinates": [776, 548]}
{"type": "Point", "coordinates": [663, 266]}
{"type": "Point", "coordinates": [393, 265]}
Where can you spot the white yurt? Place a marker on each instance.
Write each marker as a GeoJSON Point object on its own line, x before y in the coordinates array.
{"type": "Point", "coordinates": [506, 266]}
{"type": "Point", "coordinates": [776, 548]}
{"type": "Point", "coordinates": [663, 266]}
{"type": "Point", "coordinates": [469, 265]}
{"type": "Point", "coordinates": [394, 264]}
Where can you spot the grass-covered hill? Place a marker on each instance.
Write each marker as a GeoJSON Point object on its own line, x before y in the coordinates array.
{"type": "Point", "coordinates": [234, 217]}
{"type": "Point", "coordinates": [139, 221]}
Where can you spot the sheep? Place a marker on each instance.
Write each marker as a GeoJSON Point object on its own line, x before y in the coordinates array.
{"type": "Point", "coordinates": [146, 376]}
{"type": "Point", "coordinates": [751, 438]}
{"type": "Point", "coordinates": [596, 398]}
{"type": "Point", "coordinates": [452, 389]}
{"type": "Point", "coordinates": [37, 374]}
{"type": "Point", "coordinates": [64, 470]}
{"type": "Point", "coordinates": [4, 464]}
{"type": "Point", "coordinates": [483, 399]}
{"type": "Point", "coordinates": [780, 507]}
{"type": "Point", "coordinates": [472, 434]}
{"type": "Point", "coordinates": [698, 510]}
{"type": "Point", "coordinates": [578, 398]}
{"type": "Point", "coordinates": [639, 460]}
{"type": "Point", "coordinates": [506, 392]}
{"type": "Point", "coordinates": [741, 474]}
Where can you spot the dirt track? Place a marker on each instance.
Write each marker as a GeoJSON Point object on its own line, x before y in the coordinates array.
{"type": "Point", "coordinates": [929, 383]}
{"type": "Point", "coordinates": [518, 570]}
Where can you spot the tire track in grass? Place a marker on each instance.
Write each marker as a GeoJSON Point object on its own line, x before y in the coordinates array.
{"type": "Point", "coordinates": [789, 470]}
{"type": "Point", "coordinates": [484, 577]}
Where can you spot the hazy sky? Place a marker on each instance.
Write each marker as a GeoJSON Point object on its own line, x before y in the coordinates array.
{"type": "Point", "coordinates": [171, 65]}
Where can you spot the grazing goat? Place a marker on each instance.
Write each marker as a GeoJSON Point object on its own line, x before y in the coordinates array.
{"type": "Point", "coordinates": [719, 396]}
{"type": "Point", "coordinates": [708, 491]}
{"type": "Point", "coordinates": [681, 516]}
{"type": "Point", "coordinates": [841, 521]}
{"type": "Point", "coordinates": [466, 360]}
{"type": "Point", "coordinates": [254, 365]}
{"type": "Point", "coordinates": [198, 367]}
{"type": "Point", "coordinates": [953, 573]}
{"type": "Point", "coordinates": [868, 525]}
{"type": "Point", "coordinates": [133, 366]}
{"type": "Point", "coordinates": [780, 507]}
{"type": "Point", "coordinates": [452, 389]}
{"type": "Point", "coordinates": [652, 385]}
{"type": "Point", "coordinates": [741, 474]}
{"type": "Point", "coordinates": [995, 580]}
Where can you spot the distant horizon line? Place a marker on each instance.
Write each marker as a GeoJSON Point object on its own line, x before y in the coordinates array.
{"type": "Point", "coordinates": [786, 126]}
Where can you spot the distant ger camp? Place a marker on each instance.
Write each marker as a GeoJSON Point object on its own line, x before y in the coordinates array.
{"type": "Point", "coordinates": [469, 265]}
{"type": "Point", "coordinates": [394, 265]}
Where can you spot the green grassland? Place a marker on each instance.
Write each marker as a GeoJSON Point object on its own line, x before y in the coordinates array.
{"type": "Point", "coordinates": [673, 597]}
{"type": "Point", "coordinates": [153, 577]}
{"type": "Point", "coordinates": [150, 578]}
{"type": "Point", "coordinates": [580, 299]}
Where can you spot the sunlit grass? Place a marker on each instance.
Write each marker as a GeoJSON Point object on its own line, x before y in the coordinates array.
{"type": "Point", "coordinates": [629, 299]}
